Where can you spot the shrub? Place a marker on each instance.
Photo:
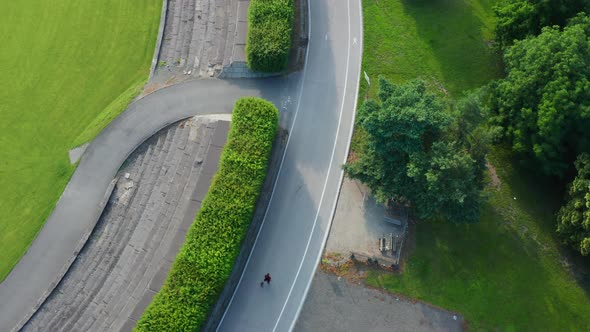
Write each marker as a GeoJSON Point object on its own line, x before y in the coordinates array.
{"type": "Point", "coordinates": [573, 219]}
{"type": "Point", "coordinates": [213, 242]}
{"type": "Point", "coordinates": [270, 23]}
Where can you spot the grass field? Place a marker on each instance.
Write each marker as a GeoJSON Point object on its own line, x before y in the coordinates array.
{"type": "Point", "coordinates": [505, 272]}
{"type": "Point", "coordinates": [443, 41]}
{"type": "Point", "coordinates": [64, 64]}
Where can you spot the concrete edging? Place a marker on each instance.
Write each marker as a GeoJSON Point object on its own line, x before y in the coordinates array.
{"type": "Point", "coordinates": [163, 17]}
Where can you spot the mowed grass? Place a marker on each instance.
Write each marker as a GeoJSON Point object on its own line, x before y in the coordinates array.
{"type": "Point", "coordinates": [442, 41]}
{"type": "Point", "coordinates": [63, 64]}
{"type": "Point", "coordinates": [504, 273]}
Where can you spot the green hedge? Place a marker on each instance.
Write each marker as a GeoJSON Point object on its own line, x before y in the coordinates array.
{"type": "Point", "coordinates": [270, 23]}
{"type": "Point", "coordinates": [213, 242]}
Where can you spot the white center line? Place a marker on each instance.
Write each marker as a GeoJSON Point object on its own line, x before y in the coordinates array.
{"type": "Point", "coordinates": [327, 174]}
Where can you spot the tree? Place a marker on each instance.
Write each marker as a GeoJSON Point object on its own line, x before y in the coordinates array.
{"type": "Point", "coordinates": [518, 19]}
{"type": "Point", "coordinates": [573, 219]}
{"type": "Point", "coordinates": [410, 154]}
{"type": "Point", "coordinates": [543, 105]}
{"type": "Point", "coordinates": [470, 128]}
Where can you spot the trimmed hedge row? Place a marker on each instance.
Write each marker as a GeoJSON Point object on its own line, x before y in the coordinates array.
{"type": "Point", "coordinates": [213, 242]}
{"type": "Point", "coordinates": [270, 23]}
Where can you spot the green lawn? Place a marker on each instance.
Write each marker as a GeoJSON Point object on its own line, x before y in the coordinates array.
{"type": "Point", "coordinates": [64, 64]}
{"type": "Point", "coordinates": [442, 41]}
{"type": "Point", "coordinates": [505, 272]}
{"type": "Point", "coordinates": [502, 273]}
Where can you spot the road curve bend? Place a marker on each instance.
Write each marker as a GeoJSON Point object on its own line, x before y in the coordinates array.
{"type": "Point", "coordinates": [77, 211]}
{"type": "Point", "coordinates": [298, 218]}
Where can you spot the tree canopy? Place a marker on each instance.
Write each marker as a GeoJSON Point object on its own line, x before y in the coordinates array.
{"type": "Point", "coordinates": [518, 19]}
{"type": "Point", "coordinates": [543, 104]}
{"type": "Point", "coordinates": [412, 154]}
{"type": "Point", "coordinates": [573, 220]}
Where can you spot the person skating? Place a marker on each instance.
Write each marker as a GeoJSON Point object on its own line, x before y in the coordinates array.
{"type": "Point", "coordinates": [267, 278]}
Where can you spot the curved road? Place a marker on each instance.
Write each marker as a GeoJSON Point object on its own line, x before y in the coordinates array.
{"type": "Point", "coordinates": [300, 212]}
{"type": "Point", "coordinates": [298, 218]}
{"type": "Point", "coordinates": [76, 213]}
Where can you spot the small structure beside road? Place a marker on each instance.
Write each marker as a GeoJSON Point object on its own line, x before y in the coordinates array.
{"type": "Point", "coordinates": [366, 230]}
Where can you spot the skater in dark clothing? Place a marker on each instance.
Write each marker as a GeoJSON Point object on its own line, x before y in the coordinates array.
{"type": "Point", "coordinates": [267, 278]}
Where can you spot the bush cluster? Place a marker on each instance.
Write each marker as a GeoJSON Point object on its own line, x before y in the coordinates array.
{"type": "Point", "coordinates": [213, 242]}
{"type": "Point", "coordinates": [270, 23]}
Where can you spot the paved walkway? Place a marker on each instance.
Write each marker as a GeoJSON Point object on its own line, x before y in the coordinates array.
{"type": "Point", "coordinates": [70, 224]}
{"type": "Point", "coordinates": [336, 305]}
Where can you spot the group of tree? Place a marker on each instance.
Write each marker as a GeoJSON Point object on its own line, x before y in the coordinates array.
{"type": "Point", "coordinates": [542, 106]}
{"type": "Point", "coordinates": [430, 153]}
{"type": "Point", "coordinates": [518, 19]}
{"type": "Point", "coordinates": [543, 103]}
{"type": "Point", "coordinates": [421, 152]}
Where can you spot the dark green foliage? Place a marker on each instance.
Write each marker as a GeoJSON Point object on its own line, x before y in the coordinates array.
{"type": "Point", "coordinates": [543, 105]}
{"type": "Point", "coordinates": [206, 259]}
{"type": "Point", "coordinates": [470, 128]}
{"type": "Point", "coordinates": [270, 23]}
{"type": "Point", "coordinates": [413, 154]}
{"type": "Point", "coordinates": [518, 19]}
{"type": "Point", "coordinates": [573, 219]}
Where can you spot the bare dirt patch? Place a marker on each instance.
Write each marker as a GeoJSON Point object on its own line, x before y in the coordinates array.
{"type": "Point", "coordinates": [494, 178]}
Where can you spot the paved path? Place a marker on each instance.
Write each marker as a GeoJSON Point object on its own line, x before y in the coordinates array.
{"type": "Point", "coordinates": [295, 228]}
{"type": "Point", "coordinates": [77, 211]}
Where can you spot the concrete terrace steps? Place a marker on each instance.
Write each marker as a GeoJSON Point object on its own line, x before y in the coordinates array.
{"type": "Point", "coordinates": [87, 283]}
{"type": "Point", "coordinates": [164, 230]}
{"type": "Point", "coordinates": [199, 37]}
{"type": "Point", "coordinates": [127, 257]}
{"type": "Point", "coordinates": [106, 229]}
{"type": "Point", "coordinates": [105, 300]}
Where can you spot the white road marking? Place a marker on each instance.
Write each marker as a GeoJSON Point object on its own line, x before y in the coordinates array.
{"type": "Point", "coordinates": [278, 173]}
{"type": "Point", "coordinates": [324, 189]}
{"type": "Point", "coordinates": [327, 233]}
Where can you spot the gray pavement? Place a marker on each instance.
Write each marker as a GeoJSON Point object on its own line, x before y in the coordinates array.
{"type": "Point", "coordinates": [75, 215]}
{"type": "Point", "coordinates": [298, 218]}
{"type": "Point", "coordinates": [336, 305]}
{"type": "Point", "coordinates": [358, 223]}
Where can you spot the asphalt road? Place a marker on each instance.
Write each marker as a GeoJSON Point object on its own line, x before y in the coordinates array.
{"type": "Point", "coordinates": [77, 211]}
{"type": "Point", "coordinates": [298, 218]}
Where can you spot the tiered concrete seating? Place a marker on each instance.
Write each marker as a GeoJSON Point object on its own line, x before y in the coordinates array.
{"type": "Point", "coordinates": [129, 253]}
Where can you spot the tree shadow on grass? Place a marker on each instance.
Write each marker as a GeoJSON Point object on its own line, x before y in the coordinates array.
{"type": "Point", "coordinates": [456, 32]}
{"type": "Point", "coordinates": [542, 197]}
